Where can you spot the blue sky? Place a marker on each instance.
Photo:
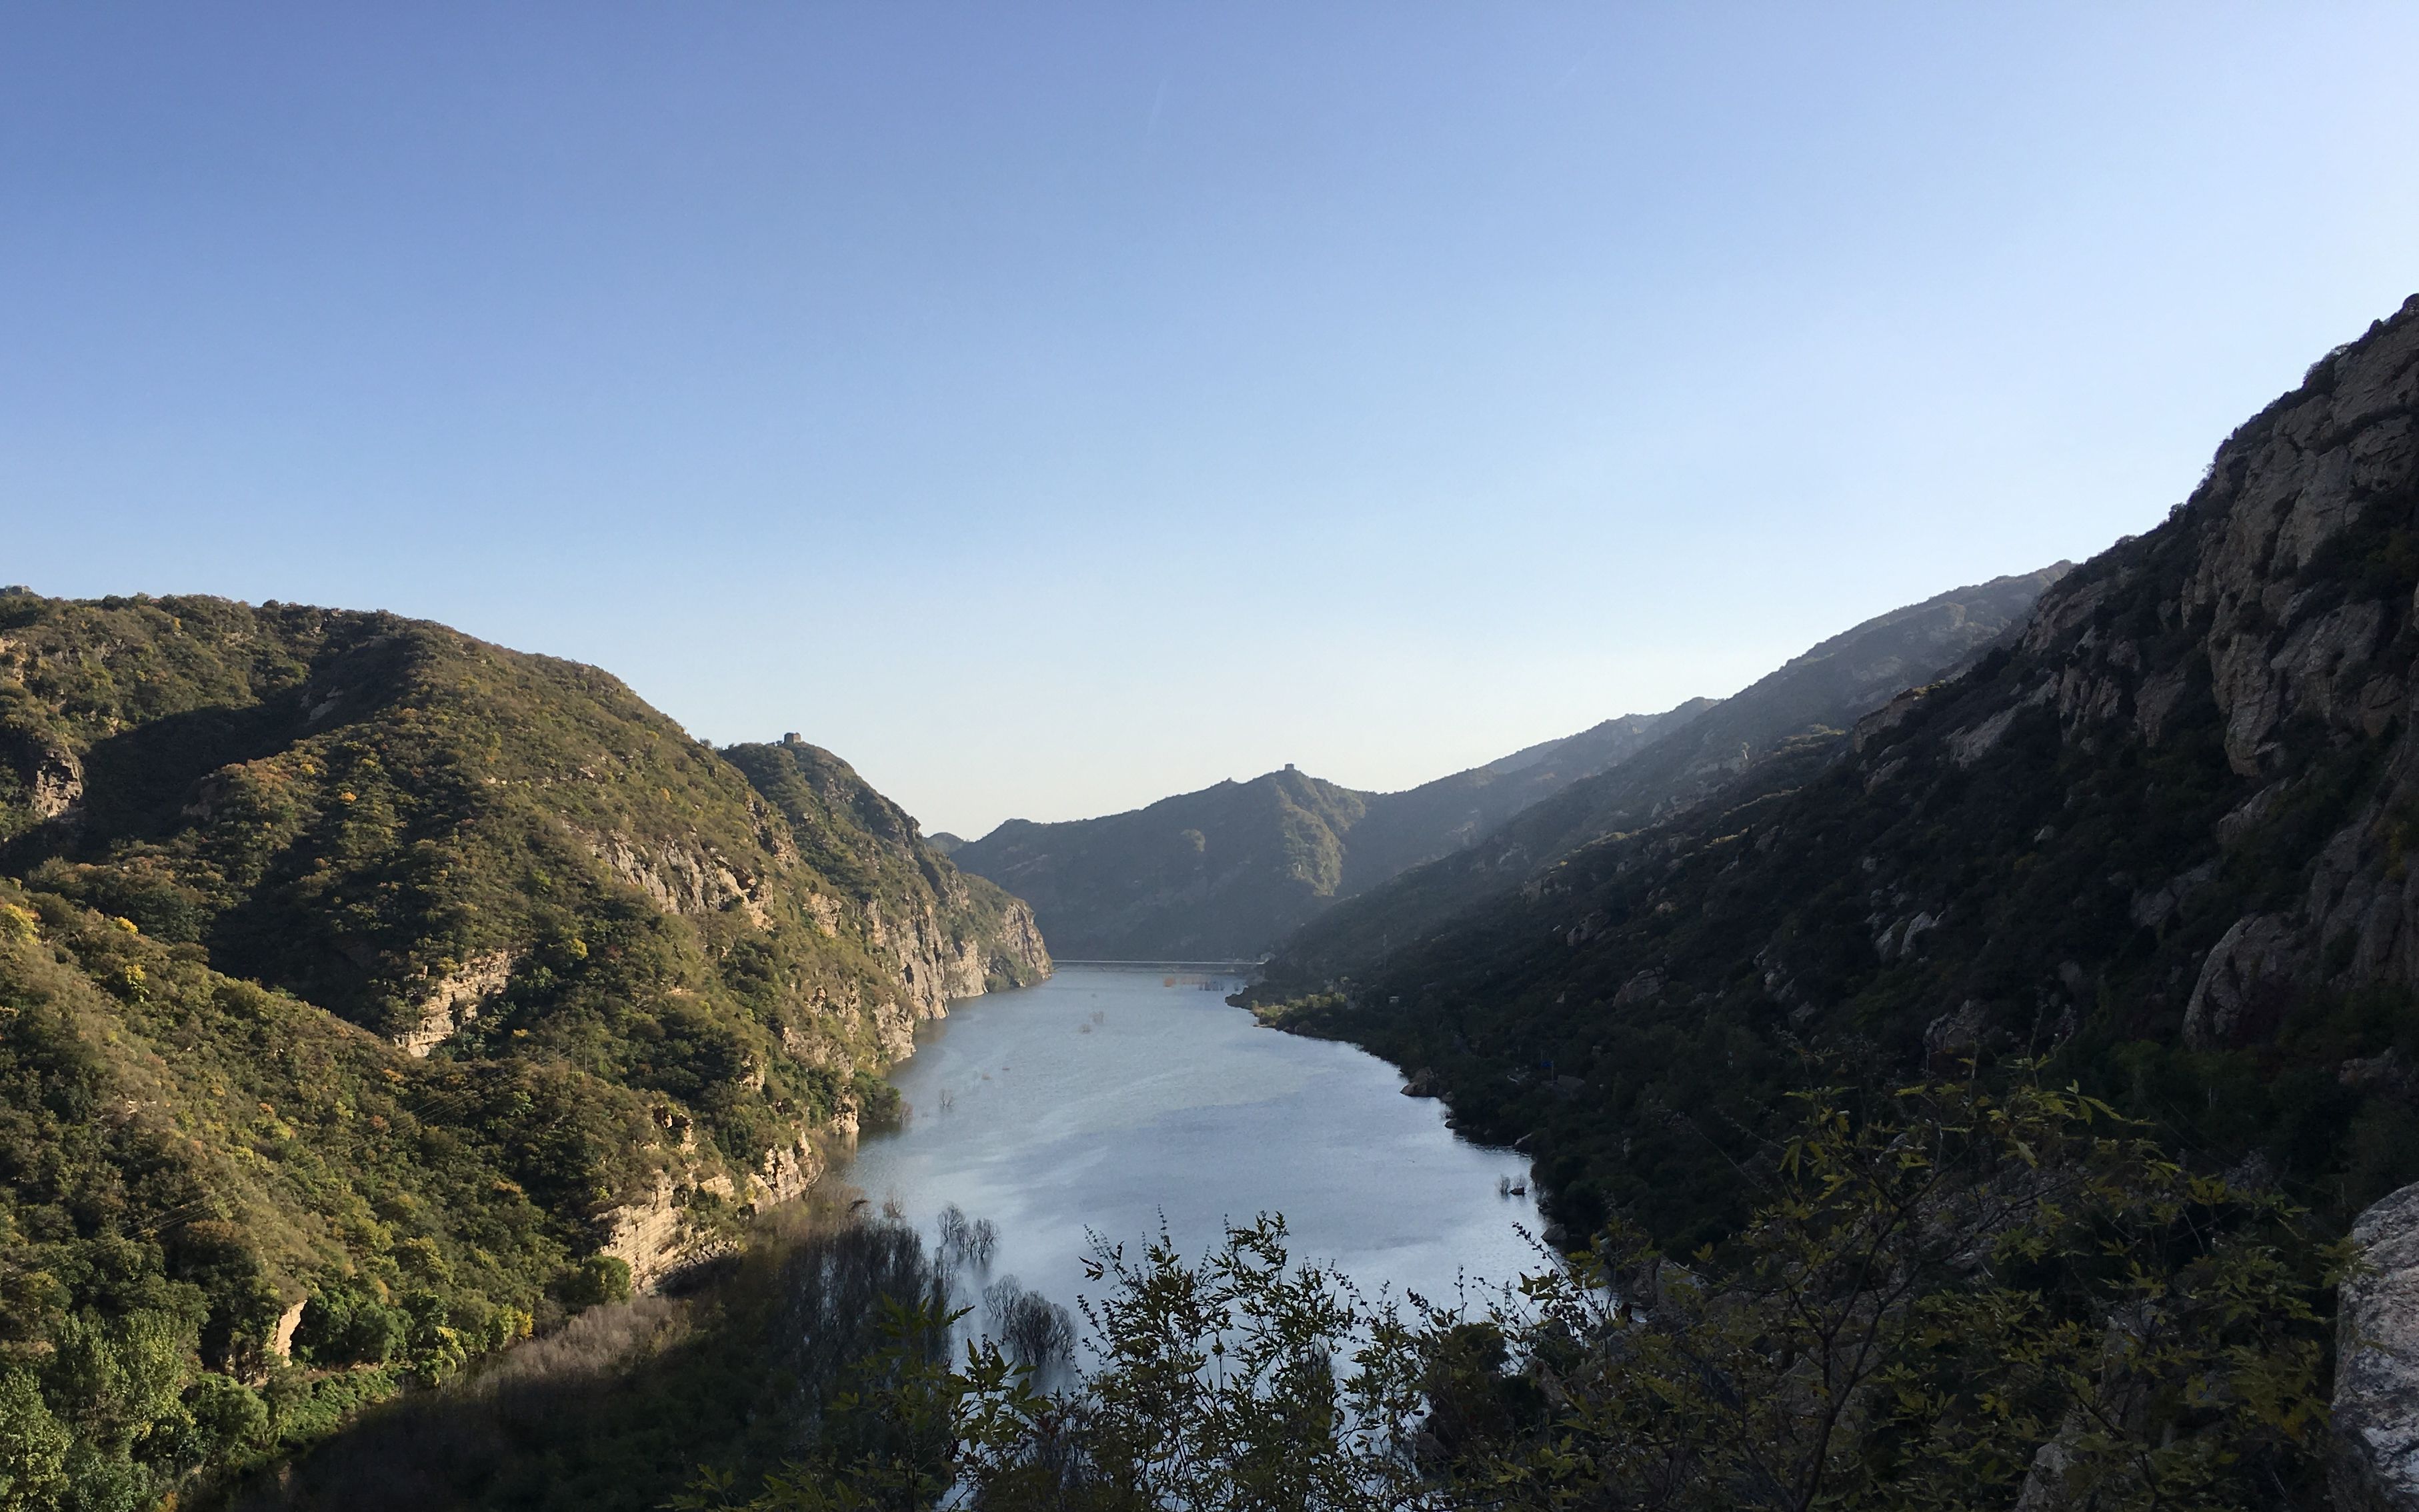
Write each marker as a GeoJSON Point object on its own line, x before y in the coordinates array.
{"type": "Point", "coordinates": [1051, 408]}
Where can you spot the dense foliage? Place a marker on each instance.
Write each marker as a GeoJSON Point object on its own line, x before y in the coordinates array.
{"type": "Point", "coordinates": [363, 987]}
{"type": "Point", "coordinates": [188, 1157]}
{"type": "Point", "coordinates": [1948, 1299]}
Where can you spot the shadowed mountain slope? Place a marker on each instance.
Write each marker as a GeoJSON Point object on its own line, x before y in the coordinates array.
{"type": "Point", "coordinates": [1811, 700]}
{"type": "Point", "coordinates": [1227, 872]}
{"type": "Point", "coordinates": [2162, 833]}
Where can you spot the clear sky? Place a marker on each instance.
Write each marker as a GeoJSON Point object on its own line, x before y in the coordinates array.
{"type": "Point", "coordinates": [1051, 408]}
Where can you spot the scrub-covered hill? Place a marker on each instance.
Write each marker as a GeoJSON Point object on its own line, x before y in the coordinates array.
{"type": "Point", "coordinates": [1229, 871]}
{"type": "Point", "coordinates": [1811, 700]}
{"type": "Point", "coordinates": [2161, 834]}
{"type": "Point", "coordinates": [368, 993]}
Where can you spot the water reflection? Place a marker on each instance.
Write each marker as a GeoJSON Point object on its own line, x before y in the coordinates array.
{"type": "Point", "coordinates": [1106, 1099]}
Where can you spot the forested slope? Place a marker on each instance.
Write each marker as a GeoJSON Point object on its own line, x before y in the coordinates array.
{"type": "Point", "coordinates": [2161, 836]}
{"type": "Point", "coordinates": [369, 994]}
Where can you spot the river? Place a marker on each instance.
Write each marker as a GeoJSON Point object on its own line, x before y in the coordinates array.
{"type": "Point", "coordinates": [1106, 1099]}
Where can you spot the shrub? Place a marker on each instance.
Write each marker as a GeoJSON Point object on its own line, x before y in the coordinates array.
{"type": "Point", "coordinates": [1952, 1297]}
{"type": "Point", "coordinates": [33, 1442]}
{"type": "Point", "coordinates": [343, 1327]}
{"type": "Point", "coordinates": [229, 1417]}
{"type": "Point", "coordinates": [596, 1280]}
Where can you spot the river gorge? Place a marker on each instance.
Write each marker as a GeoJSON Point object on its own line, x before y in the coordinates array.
{"type": "Point", "coordinates": [1108, 1100]}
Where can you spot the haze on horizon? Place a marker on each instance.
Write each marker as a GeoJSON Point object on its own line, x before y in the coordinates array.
{"type": "Point", "coordinates": [1050, 409]}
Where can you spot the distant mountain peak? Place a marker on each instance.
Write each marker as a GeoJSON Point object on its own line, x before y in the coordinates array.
{"type": "Point", "coordinates": [1236, 868]}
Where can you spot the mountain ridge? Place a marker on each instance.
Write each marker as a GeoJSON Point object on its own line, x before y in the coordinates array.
{"type": "Point", "coordinates": [1813, 695]}
{"type": "Point", "coordinates": [2157, 836]}
{"type": "Point", "coordinates": [1293, 863]}
{"type": "Point", "coordinates": [1228, 871]}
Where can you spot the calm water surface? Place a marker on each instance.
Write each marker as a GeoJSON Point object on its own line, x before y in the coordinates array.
{"type": "Point", "coordinates": [1107, 1098]}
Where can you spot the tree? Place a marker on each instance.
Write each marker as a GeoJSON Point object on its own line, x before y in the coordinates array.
{"type": "Point", "coordinates": [1954, 1298]}
{"type": "Point", "coordinates": [33, 1444]}
{"type": "Point", "coordinates": [1966, 1297]}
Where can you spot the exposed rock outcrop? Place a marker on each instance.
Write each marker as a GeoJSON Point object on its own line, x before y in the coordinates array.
{"type": "Point", "coordinates": [455, 1001]}
{"type": "Point", "coordinates": [941, 959]}
{"type": "Point", "coordinates": [689, 879]}
{"type": "Point", "coordinates": [655, 1237]}
{"type": "Point", "coordinates": [2376, 1416]}
{"type": "Point", "coordinates": [2296, 592]}
{"type": "Point", "coordinates": [55, 783]}
{"type": "Point", "coordinates": [2244, 985]}
{"type": "Point", "coordinates": [649, 1235]}
{"type": "Point", "coordinates": [49, 776]}
{"type": "Point", "coordinates": [281, 1338]}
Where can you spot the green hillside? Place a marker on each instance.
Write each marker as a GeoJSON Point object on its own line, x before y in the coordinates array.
{"type": "Point", "coordinates": [2160, 835]}
{"type": "Point", "coordinates": [369, 994]}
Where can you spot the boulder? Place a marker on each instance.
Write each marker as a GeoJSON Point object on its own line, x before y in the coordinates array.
{"type": "Point", "coordinates": [2376, 1459]}
{"type": "Point", "coordinates": [2243, 985]}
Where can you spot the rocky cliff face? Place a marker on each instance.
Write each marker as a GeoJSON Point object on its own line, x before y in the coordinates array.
{"type": "Point", "coordinates": [2161, 834]}
{"type": "Point", "coordinates": [943, 956]}
{"type": "Point", "coordinates": [952, 934]}
{"type": "Point", "coordinates": [2280, 598]}
{"type": "Point", "coordinates": [2376, 1415]}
